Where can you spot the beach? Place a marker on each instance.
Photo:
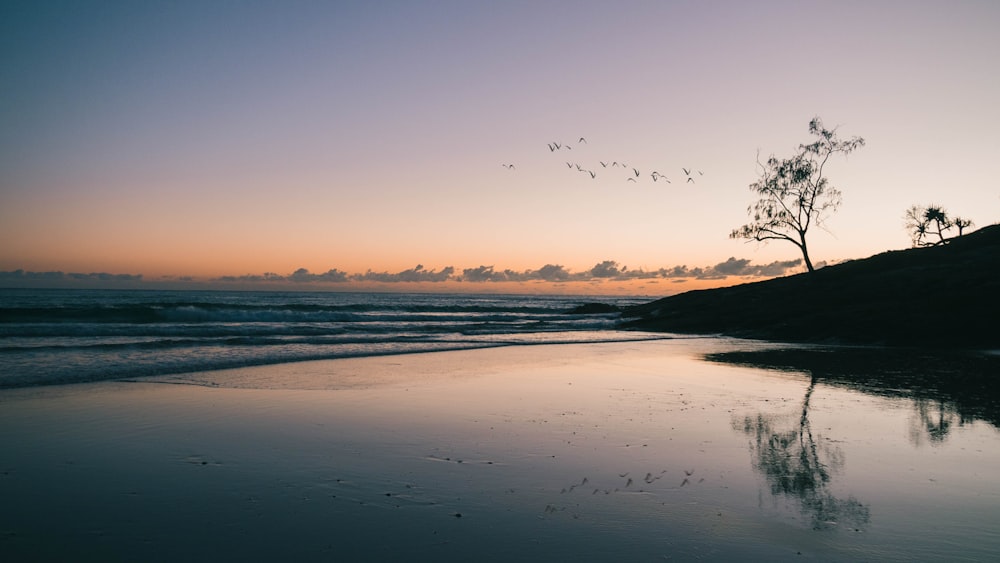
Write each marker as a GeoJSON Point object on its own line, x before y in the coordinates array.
{"type": "Point", "coordinates": [594, 451]}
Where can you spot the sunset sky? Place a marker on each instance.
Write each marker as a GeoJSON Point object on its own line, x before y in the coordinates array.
{"type": "Point", "coordinates": [233, 139]}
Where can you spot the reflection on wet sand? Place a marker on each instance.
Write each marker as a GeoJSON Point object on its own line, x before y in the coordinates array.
{"type": "Point", "coordinates": [932, 421]}
{"type": "Point", "coordinates": [795, 466]}
{"type": "Point", "coordinates": [590, 452]}
{"type": "Point", "coordinates": [945, 386]}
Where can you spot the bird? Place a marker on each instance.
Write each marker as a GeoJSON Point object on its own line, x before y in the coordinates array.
{"type": "Point", "coordinates": [569, 165]}
{"type": "Point", "coordinates": [636, 172]}
{"type": "Point", "coordinates": [631, 179]}
{"type": "Point", "coordinates": [604, 164]}
{"type": "Point", "coordinates": [592, 174]}
{"type": "Point", "coordinates": [582, 140]}
{"type": "Point", "coordinates": [686, 171]}
{"type": "Point", "coordinates": [690, 179]}
{"type": "Point", "coordinates": [508, 166]}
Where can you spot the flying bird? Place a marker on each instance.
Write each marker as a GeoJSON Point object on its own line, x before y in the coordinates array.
{"type": "Point", "coordinates": [636, 172]}
{"type": "Point", "coordinates": [604, 164]}
{"type": "Point", "coordinates": [582, 140]}
{"type": "Point", "coordinates": [690, 179]}
{"type": "Point", "coordinates": [508, 166]}
{"type": "Point", "coordinates": [686, 171]}
{"type": "Point", "coordinates": [631, 179]}
{"type": "Point", "coordinates": [592, 174]}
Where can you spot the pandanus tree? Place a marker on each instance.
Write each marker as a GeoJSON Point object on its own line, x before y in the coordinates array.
{"type": "Point", "coordinates": [794, 194]}
{"type": "Point", "coordinates": [931, 225]}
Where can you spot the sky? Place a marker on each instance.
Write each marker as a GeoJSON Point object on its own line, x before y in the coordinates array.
{"type": "Point", "coordinates": [369, 144]}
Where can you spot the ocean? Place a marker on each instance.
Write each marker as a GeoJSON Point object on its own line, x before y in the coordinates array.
{"type": "Point", "coordinates": [71, 336]}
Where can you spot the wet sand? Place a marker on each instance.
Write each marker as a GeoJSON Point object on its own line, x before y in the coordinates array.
{"type": "Point", "coordinates": [595, 452]}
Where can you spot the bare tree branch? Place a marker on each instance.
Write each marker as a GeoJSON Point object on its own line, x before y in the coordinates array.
{"type": "Point", "coordinates": [794, 193]}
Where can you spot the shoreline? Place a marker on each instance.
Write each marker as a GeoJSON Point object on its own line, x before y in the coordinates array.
{"type": "Point", "coordinates": [625, 336]}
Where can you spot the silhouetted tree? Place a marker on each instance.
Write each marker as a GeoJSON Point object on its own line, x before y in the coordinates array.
{"type": "Point", "coordinates": [794, 194]}
{"type": "Point", "coordinates": [926, 223]}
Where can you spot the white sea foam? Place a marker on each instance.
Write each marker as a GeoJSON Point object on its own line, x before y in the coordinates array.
{"type": "Point", "coordinates": [62, 336]}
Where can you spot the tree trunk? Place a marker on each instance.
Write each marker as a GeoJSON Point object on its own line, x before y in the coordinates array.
{"type": "Point", "coordinates": [805, 256]}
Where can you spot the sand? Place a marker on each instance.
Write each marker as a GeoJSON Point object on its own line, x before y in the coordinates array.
{"type": "Point", "coordinates": [594, 452]}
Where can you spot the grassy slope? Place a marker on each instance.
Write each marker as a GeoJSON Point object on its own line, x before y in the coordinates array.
{"type": "Point", "coordinates": [938, 296]}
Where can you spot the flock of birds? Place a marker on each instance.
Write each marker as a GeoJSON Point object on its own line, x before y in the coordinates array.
{"type": "Point", "coordinates": [620, 168]}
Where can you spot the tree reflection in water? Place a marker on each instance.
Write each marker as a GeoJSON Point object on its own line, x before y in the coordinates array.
{"type": "Point", "coordinates": [933, 419]}
{"type": "Point", "coordinates": [948, 389]}
{"type": "Point", "coordinates": [795, 466]}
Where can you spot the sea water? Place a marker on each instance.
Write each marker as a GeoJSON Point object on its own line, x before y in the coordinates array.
{"type": "Point", "coordinates": [66, 336]}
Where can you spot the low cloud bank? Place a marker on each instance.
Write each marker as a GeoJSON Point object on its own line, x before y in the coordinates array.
{"type": "Point", "coordinates": [21, 275]}
{"type": "Point", "coordinates": [608, 270]}
{"type": "Point", "coordinates": [301, 275]}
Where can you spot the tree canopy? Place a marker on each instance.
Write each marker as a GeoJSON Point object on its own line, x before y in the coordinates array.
{"type": "Point", "coordinates": [931, 225]}
{"type": "Point", "coordinates": [793, 192]}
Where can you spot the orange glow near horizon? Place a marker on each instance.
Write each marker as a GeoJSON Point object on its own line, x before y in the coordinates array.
{"type": "Point", "coordinates": [362, 139]}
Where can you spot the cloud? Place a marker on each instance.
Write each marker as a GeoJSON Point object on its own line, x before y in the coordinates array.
{"type": "Point", "coordinates": [609, 270]}
{"type": "Point", "coordinates": [253, 278]}
{"type": "Point", "coordinates": [416, 274]}
{"type": "Point", "coordinates": [683, 272]}
{"type": "Point", "coordinates": [17, 275]}
{"type": "Point", "coordinates": [552, 272]}
{"type": "Point", "coordinates": [731, 267]}
{"type": "Point", "coordinates": [743, 267]}
{"type": "Point", "coordinates": [485, 274]}
{"type": "Point", "coordinates": [303, 275]}
{"type": "Point", "coordinates": [548, 272]}
{"type": "Point", "coordinates": [605, 271]}
{"type": "Point", "coordinates": [778, 268]}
